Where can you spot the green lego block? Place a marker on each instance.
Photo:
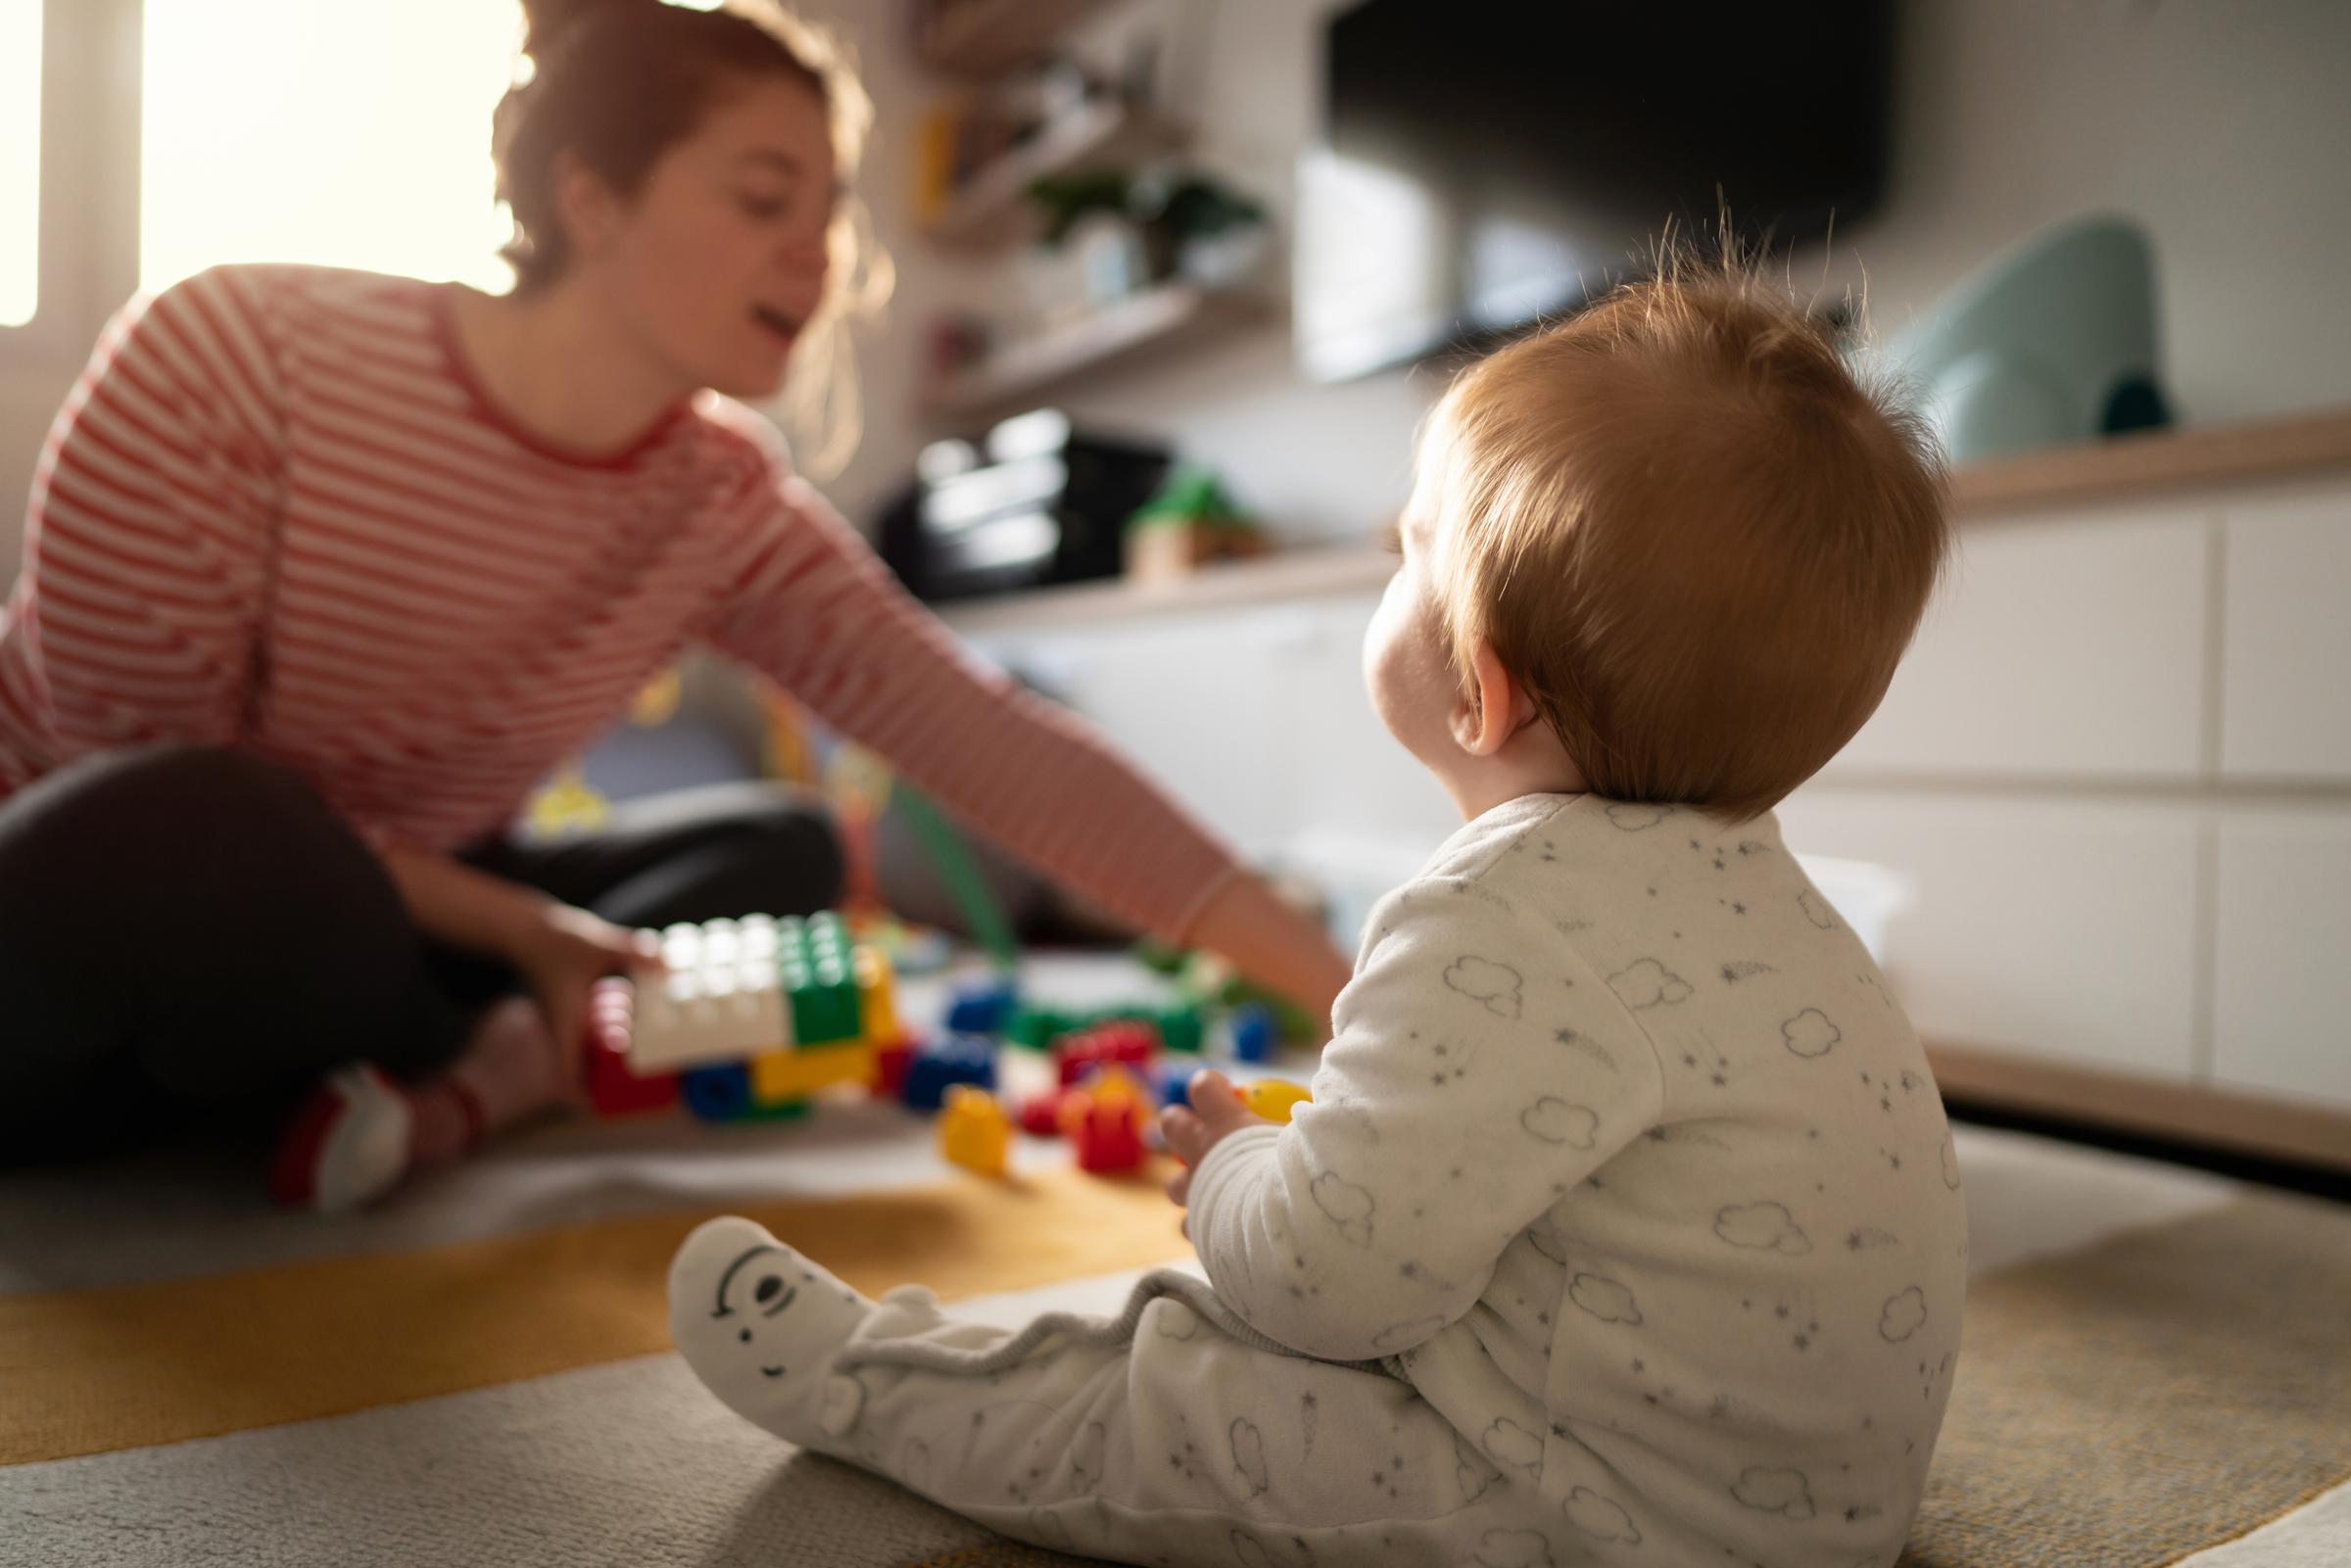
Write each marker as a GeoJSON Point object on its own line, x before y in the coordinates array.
{"type": "Point", "coordinates": [815, 967]}
{"type": "Point", "coordinates": [1158, 957]}
{"type": "Point", "coordinates": [1037, 1027]}
{"type": "Point", "coordinates": [1179, 1028]}
{"type": "Point", "coordinates": [787, 1111]}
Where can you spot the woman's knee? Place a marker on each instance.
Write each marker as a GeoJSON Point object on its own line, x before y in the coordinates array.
{"type": "Point", "coordinates": [790, 848]}
{"type": "Point", "coordinates": [778, 855]}
{"type": "Point", "coordinates": [158, 785]}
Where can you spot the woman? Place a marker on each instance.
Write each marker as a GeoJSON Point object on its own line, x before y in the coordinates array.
{"type": "Point", "coordinates": [325, 570]}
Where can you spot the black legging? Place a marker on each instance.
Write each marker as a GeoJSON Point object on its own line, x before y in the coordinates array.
{"type": "Point", "coordinates": [189, 936]}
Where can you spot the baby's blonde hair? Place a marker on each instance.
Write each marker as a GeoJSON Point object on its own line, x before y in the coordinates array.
{"type": "Point", "coordinates": [1681, 523]}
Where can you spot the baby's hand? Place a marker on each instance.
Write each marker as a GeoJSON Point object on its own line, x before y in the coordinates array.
{"type": "Point", "coordinates": [1214, 1111]}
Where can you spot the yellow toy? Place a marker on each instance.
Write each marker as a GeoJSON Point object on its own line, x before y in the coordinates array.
{"type": "Point", "coordinates": [1274, 1100]}
{"type": "Point", "coordinates": [973, 1130]}
{"type": "Point", "coordinates": [1112, 1084]}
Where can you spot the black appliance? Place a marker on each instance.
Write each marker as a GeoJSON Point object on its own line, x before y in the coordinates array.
{"type": "Point", "coordinates": [1031, 503]}
{"type": "Point", "coordinates": [1490, 164]}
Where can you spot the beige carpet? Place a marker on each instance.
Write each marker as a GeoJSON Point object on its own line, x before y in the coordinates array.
{"type": "Point", "coordinates": [2157, 1363]}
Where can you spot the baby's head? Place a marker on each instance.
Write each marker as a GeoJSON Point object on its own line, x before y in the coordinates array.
{"type": "Point", "coordinates": [1669, 551]}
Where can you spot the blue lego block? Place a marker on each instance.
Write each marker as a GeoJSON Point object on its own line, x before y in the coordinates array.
{"type": "Point", "coordinates": [957, 1058]}
{"type": "Point", "coordinates": [1253, 1032]}
{"type": "Point", "coordinates": [981, 1007]}
{"type": "Point", "coordinates": [717, 1094]}
{"type": "Point", "coordinates": [1173, 1079]}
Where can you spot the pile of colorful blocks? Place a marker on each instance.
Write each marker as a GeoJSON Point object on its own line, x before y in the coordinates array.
{"type": "Point", "coordinates": [752, 1018]}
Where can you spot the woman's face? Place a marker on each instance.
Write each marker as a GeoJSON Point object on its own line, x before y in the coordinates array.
{"type": "Point", "coordinates": [719, 260]}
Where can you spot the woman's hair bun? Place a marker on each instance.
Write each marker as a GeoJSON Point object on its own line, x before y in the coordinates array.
{"type": "Point", "coordinates": [549, 20]}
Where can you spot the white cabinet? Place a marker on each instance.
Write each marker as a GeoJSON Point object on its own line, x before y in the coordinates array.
{"type": "Point", "coordinates": [2285, 643]}
{"type": "Point", "coordinates": [2059, 929]}
{"type": "Point", "coordinates": [2069, 647]}
{"type": "Point", "coordinates": [1255, 717]}
{"type": "Point", "coordinates": [2115, 767]}
{"type": "Point", "coordinates": [2282, 973]}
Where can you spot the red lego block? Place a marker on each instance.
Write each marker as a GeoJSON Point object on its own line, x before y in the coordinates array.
{"type": "Point", "coordinates": [890, 1068]}
{"type": "Point", "coordinates": [613, 1089]}
{"type": "Point", "coordinates": [1124, 1042]}
{"type": "Point", "coordinates": [1106, 1133]}
{"type": "Point", "coordinates": [1040, 1115]}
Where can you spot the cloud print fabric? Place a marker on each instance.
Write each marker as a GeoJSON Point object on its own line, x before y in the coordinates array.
{"type": "Point", "coordinates": [1622, 1157]}
{"type": "Point", "coordinates": [1623, 1228]}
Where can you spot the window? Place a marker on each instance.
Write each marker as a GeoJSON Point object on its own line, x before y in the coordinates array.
{"type": "Point", "coordinates": [332, 133]}
{"type": "Point", "coordinates": [19, 161]}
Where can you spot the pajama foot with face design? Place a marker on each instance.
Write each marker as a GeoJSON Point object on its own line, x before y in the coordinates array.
{"type": "Point", "coordinates": [1163, 1435]}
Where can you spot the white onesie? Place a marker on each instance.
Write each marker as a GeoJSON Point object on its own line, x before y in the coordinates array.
{"type": "Point", "coordinates": [1623, 1229]}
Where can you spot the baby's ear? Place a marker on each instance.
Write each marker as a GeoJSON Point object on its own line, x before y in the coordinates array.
{"type": "Point", "coordinates": [1492, 707]}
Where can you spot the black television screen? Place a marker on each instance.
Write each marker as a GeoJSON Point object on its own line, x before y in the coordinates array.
{"type": "Point", "coordinates": [1488, 164]}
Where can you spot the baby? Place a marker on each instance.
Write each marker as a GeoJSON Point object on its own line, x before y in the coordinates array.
{"type": "Point", "coordinates": [1623, 1227]}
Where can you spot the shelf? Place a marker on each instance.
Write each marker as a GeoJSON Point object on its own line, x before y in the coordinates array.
{"type": "Point", "coordinates": [979, 38]}
{"type": "Point", "coordinates": [2160, 462]}
{"type": "Point", "coordinates": [993, 207]}
{"type": "Point", "coordinates": [1286, 575]}
{"type": "Point", "coordinates": [1117, 332]}
{"type": "Point", "coordinates": [2279, 447]}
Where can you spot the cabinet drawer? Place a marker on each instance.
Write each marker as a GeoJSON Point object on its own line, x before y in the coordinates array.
{"type": "Point", "coordinates": [2286, 638]}
{"type": "Point", "coordinates": [2282, 991]}
{"type": "Point", "coordinates": [2063, 928]}
{"type": "Point", "coordinates": [2056, 647]}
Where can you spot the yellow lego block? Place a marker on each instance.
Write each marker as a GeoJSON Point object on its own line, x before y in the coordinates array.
{"type": "Point", "coordinates": [877, 1002]}
{"type": "Point", "coordinates": [780, 1075]}
{"type": "Point", "coordinates": [973, 1131]}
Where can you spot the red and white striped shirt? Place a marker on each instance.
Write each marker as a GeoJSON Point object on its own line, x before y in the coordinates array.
{"type": "Point", "coordinates": [279, 512]}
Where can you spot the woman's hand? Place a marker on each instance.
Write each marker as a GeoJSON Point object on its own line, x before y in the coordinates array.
{"type": "Point", "coordinates": [1214, 1114]}
{"type": "Point", "coordinates": [560, 952]}
{"type": "Point", "coordinates": [560, 956]}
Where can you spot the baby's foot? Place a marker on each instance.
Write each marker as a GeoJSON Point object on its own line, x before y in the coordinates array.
{"type": "Point", "coordinates": [760, 1325]}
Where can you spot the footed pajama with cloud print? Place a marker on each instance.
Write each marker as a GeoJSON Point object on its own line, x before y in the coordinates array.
{"type": "Point", "coordinates": [1623, 1228]}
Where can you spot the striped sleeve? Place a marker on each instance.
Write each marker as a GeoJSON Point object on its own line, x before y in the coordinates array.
{"type": "Point", "coordinates": [821, 616]}
{"type": "Point", "coordinates": [134, 618]}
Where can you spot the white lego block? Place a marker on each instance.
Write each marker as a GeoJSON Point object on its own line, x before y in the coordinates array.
{"type": "Point", "coordinates": [719, 1000]}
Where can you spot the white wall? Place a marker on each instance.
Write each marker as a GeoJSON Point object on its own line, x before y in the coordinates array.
{"type": "Point", "coordinates": [30, 395]}
{"type": "Point", "coordinates": [2220, 126]}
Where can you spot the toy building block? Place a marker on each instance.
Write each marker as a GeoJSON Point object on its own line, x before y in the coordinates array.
{"type": "Point", "coordinates": [1180, 1026]}
{"type": "Point", "coordinates": [815, 967]}
{"type": "Point", "coordinates": [1253, 1031]}
{"type": "Point", "coordinates": [1273, 1099]}
{"type": "Point", "coordinates": [1159, 956]}
{"type": "Point", "coordinates": [1112, 1081]}
{"type": "Point", "coordinates": [876, 996]}
{"type": "Point", "coordinates": [1128, 1043]}
{"type": "Point", "coordinates": [613, 1089]}
{"type": "Point", "coordinates": [958, 1059]}
{"type": "Point", "coordinates": [1174, 1082]}
{"type": "Point", "coordinates": [981, 1007]}
{"type": "Point", "coordinates": [891, 1063]}
{"type": "Point", "coordinates": [972, 1131]}
{"type": "Point", "coordinates": [1107, 1135]}
{"type": "Point", "coordinates": [780, 1075]}
{"type": "Point", "coordinates": [717, 1003]}
{"type": "Point", "coordinates": [740, 989]}
{"type": "Point", "coordinates": [723, 1094]}
{"type": "Point", "coordinates": [1038, 1028]}
{"type": "Point", "coordinates": [1040, 1113]}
